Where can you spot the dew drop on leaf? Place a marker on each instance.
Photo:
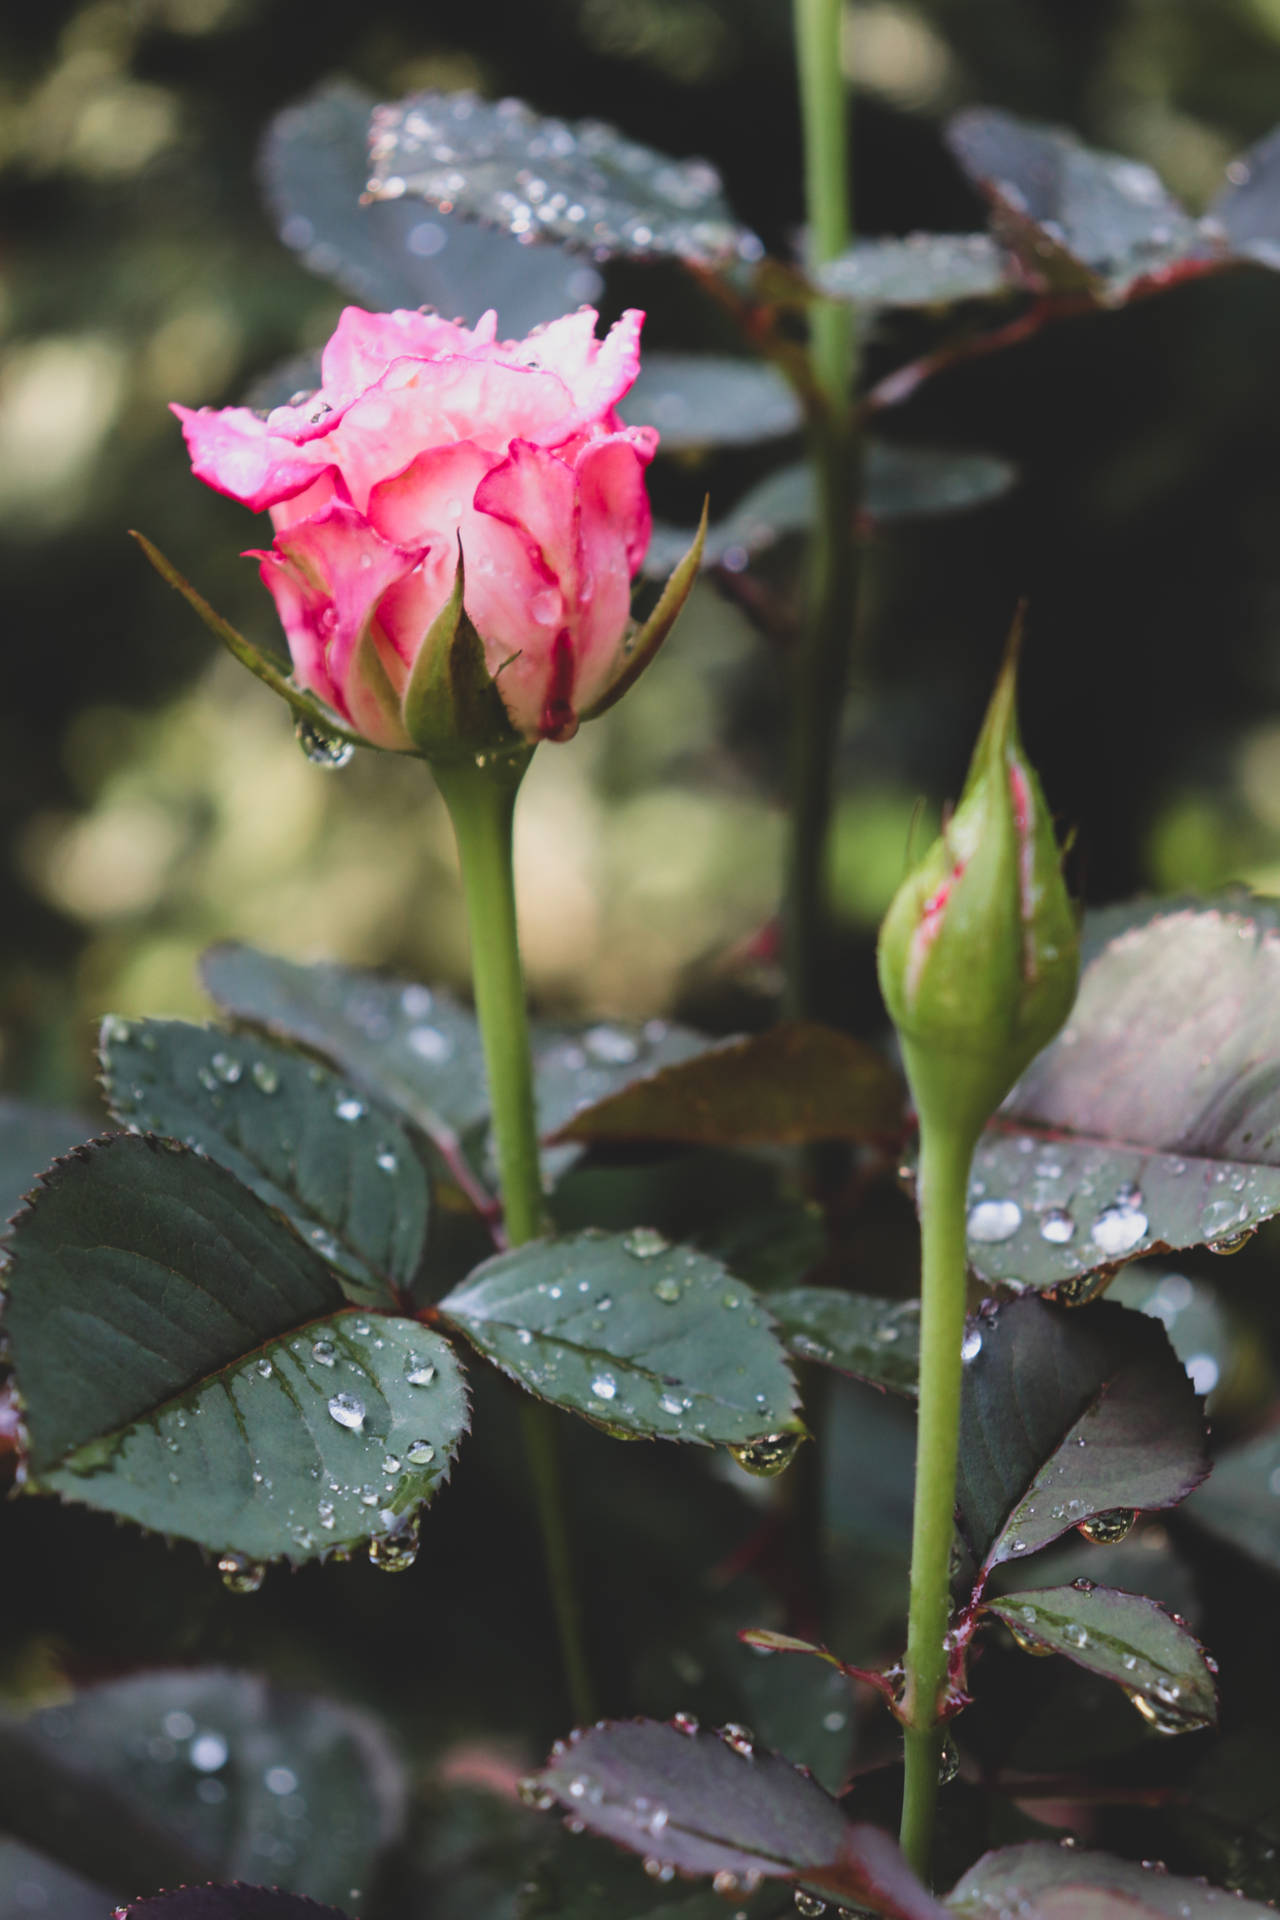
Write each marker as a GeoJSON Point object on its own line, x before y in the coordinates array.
{"type": "Point", "coordinates": [971, 1345]}
{"type": "Point", "coordinates": [419, 1453]}
{"type": "Point", "coordinates": [685, 1723]}
{"type": "Point", "coordinates": [808, 1905]}
{"type": "Point", "coordinates": [324, 1353]}
{"type": "Point", "coordinates": [604, 1386]}
{"type": "Point", "coordinates": [770, 1454]}
{"type": "Point", "coordinates": [667, 1289]}
{"type": "Point", "coordinates": [739, 1739]}
{"type": "Point", "coordinates": [264, 1077]}
{"type": "Point", "coordinates": [239, 1574]}
{"type": "Point", "coordinates": [1057, 1226]}
{"type": "Point", "coordinates": [1108, 1529]}
{"type": "Point", "coordinates": [1232, 1242]}
{"type": "Point", "coordinates": [645, 1242]}
{"type": "Point", "coordinates": [419, 1373]}
{"type": "Point", "coordinates": [347, 1411]}
{"type": "Point", "coordinates": [1118, 1229]}
{"type": "Point", "coordinates": [992, 1221]}
{"type": "Point", "coordinates": [948, 1762]}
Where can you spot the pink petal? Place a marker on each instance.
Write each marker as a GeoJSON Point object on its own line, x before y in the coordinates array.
{"type": "Point", "coordinates": [327, 576]}
{"type": "Point", "coordinates": [363, 346]}
{"type": "Point", "coordinates": [614, 526]}
{"type": "Point", "coordinates": [536, 492]}
{"type": "Point", "coordinates": [597, 373]}
{"type": "Point", "coordinates": [235, 451]}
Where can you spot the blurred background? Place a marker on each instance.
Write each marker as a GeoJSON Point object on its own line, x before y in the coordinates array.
{"type": "Point", "coordinates": [152, 796]}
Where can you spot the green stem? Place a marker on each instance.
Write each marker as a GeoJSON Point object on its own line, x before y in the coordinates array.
{"type": "Point", "coordinates": [943, 1184]}
{"type": "Point", "coordinates": [822, 656]}
{"type": "Point", "coordinates": [481, 802]}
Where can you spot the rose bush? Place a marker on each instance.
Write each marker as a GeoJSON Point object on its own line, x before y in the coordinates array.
{"type": "Point", "coordinates": [427, 439]}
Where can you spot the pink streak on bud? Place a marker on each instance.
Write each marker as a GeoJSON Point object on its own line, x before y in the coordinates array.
{"type": "Point", "coordinates": [1020, 791]}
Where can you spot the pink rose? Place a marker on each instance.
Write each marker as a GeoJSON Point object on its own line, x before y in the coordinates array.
{"type": "Point", "coordinates": [425, 437]}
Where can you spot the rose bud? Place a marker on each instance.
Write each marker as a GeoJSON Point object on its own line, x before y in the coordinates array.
{"type": "Point", "coordinates": [979, 951]}
{"type": "Point", "coordinates": [458, 521]}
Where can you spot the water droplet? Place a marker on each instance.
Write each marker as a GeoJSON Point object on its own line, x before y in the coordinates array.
{"type": "Point", "coordinates": [395, 1552]}
{"type": "Point", "coordinates": [325, 1514]}
{"type": "Point", "coordinates": [390, 1464]}
{"type": "Point", "coordinates": [419, 1373]}
{"type": "Point", "coordinates": [948, 1762]}
{"type": "Point", "coordinates": [1057, 1226]}
{"type": "Point", "coordinates": [604, 1386]}
{"type": "Point", "coordinates": [324, 1353]}
{"type": "Point", "coordinates": [419, 1453]}
{"type": "Point", "coordinates": [208, 1752]}
{"type": "Point", "coordinates": [280, 1781]}
{"type": "Point", "coordinates": [994, 1220]}
{"type": "Point", "coordinates": [724, 1882]}
{"type": "Point", "coordinates": [740, 1739]}
{"type": "Point", "coordinates": [1081, 1289]}
{"type": "Point", "coordinates": [240, 1574]}
{"type": "Point", "coordinates": [531, 1793]}
{"type": "Point", "coordinates": [429, 1043]}
{"type": "Point", "coordinates": [226, 1068]}
{"type": "Point", "coordinates": [686, 1723]}
{"type": "Point", "coordinates": [645, 1242]}
{"type": "Point", "coordinates": [265, 1368]}
{"type": "Point", "coordinates": [1118, 1229]}
{"type": "Point", "coordinates": [1075, 1635]}
{"type": "Point", "coordinates": [323, 749]}
{"type": "Point", "coordinates": [611, 1046]}
{"type": "Point", "coordinates": [416, 1001]}
{"type": "Point", "coordinates": [808, 1905]}
{"type": "Point", "coordinates": [768, 1455]}
{"type": "Point", "coordinates": [347, 1411]}
{"type": "Point", "coordinates": [971, 1345]}
{"type": "Point", "coordinates": [667, 1289]}
{"type": "Point", "coordinates": [1028, 1642]}
{"type": "Point", "coordinates": [1232, 1242]}
{"type": "Point", "coordinates": [350, 1109]}
{"type": "Point", "coordinates": [1164, 1717]}
{"type": "Point", "coordinates": [1108, 1529]}
{"type": "Point", "coordinates": [387, 1161]}
{"type": "Point", "coordinates": [660, 1870]}
{"type": "Point", "coordinates": [1203, 1372]}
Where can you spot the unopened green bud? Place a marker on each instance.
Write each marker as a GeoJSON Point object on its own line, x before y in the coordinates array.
{"type": "Point", "coordinates": [979, 951]}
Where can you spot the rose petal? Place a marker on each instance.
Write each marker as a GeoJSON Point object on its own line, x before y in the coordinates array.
{"type": "Point", "coordinates": [363, 346]}
{"type": "Point", "coordinates": [536, 492]}
{"type": "Point", "coordinates": [237, 452]}
{"type": "Point", "coordinates": [613, 529]}
{"type": "Point", "coordinates": [327, 576]}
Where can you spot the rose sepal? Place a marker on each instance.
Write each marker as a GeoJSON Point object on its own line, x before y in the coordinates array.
{"type": "Point", "coordinates": [451, 708]}
{"type": "Point", "coordinates": [305, 705]}
{"type": "Point", "coordinates": [642, 643]}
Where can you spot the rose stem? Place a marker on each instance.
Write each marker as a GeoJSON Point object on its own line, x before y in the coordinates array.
{"type": "Point", "coordinates": [481, 802]}
{"type": "Point", "coordinates": [822, 656]}
{"type": "Point", "coordinates": [945, 1155]}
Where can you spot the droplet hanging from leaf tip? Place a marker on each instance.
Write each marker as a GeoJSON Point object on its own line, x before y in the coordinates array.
{"type": "Point", "coordinates": [323, 749]}
{"type": "Point", "coordinates": [240, 1574]}
{"type": "Point", "coordinates": [768, 1455]}
{"type": "Point", "coordinates": [1108, 1529]}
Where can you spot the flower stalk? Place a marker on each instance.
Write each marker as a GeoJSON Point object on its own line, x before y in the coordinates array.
{"type": "Point", "coordinates": [481, 797]}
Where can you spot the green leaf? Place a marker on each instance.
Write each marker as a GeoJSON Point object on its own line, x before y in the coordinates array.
{"type": "Point", "coordinates": [1240, 1502]}
{"type": "Point", "coordinates": [577, 1067]}
{"type": "Point", "coordinates": [922, 270]}
{"type": "Point", "coordinates": [30, 1137]}
{"type": "Point", "coordinates": [345, 1174]}
{"type": "Point", "coordinates": [202, 1775]}
{"type": "Point", "coordinates": [706, 1804]}
{"type": "Point", "coordinates": [708, 399]}
{"type": "Point", "coordinates": [1084, 222]}
{"type": "Point", "coordinates": [1152, 1122]}
{"type": "Point", "coordinates": [406, 1044]}
{"type": "Point", "coordinates": [874, 1340]}
{"type": "Point", "coordinates": [901, 483]}
{"type": "Point", "coordinates": [1123, 1637]}
{"type": "Point", "coordinates": [184, 1361]}
{"type": "Point", "coordinates": [31, 1883]}
{"type": "Point", "coordinates": [795, 1084]}
{"type": "Point", "coordinates": [640, 1337]}
{"type": "Point", "coordinates": [1042, 1881]}
{"type": "Point", "coordinates": [586, 1879]}
{"type": "Point", "coordinates": [314, 164]}
{"type": "Point", "coordinates": [580, 182]}
{"type": "Point", "coordinates": [1065, 1417]}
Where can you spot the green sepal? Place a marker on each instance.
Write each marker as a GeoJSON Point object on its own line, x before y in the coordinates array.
{"type": "Point", "coordinates": [639, 648]}
{"type": "Point", "coordinates": [305, 705]}
{"type": "Point", "coordinates": [452, 709]}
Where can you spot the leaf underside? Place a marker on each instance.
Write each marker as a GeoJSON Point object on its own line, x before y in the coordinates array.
{"type": "Point", "coordinates": [1043, 1881]}
{"type": "Point", "coordinates": [1065, 1416]}
{"type": "Point", "coordinates": [1152, 1122]}
{"type": "Point", "coordinates": [873, 1340]}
